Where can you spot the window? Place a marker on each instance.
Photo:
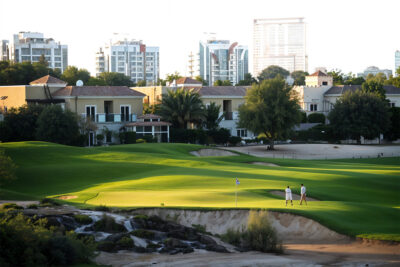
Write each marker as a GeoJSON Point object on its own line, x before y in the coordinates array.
{"type": "Point", "coordinates": [324, 83]}
{"type": "Point", "coordinates": [125, 113]}
{"type": "Point", "coordinates": [241, 132]}
{"type": "Point", "coordinates": [313, 107]}
{"type": "Point", "coordinates": [148, 129]}
{"type": "Point", "coordinates": [392, 105]}
{"type": "Point", "coordinates": [91, 113]}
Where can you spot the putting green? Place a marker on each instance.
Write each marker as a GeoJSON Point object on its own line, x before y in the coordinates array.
{"type": "Point", "coordinates": [358, 197]}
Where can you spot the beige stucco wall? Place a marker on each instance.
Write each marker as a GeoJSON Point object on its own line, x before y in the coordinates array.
{"type": "Point", "coordinates": [136, 104]}
{"type": "Point", "coordinates": [153, 93]}
{"type": "Point", "coordinates": [318, 80]}
{"type": "Point", "coordinates": [16, 96]}
{"type": "Point", "coordinates": [236, 102]}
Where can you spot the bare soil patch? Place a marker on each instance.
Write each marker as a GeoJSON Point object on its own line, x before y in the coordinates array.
{"type": "Point", "coordinates": [212, 152]}
{"type": "Point", "coordinates": [66, 197]}
{"type": "Point", "coordinates": [294, 196]}
{"type": "Point", "coordinates": [264, 163]}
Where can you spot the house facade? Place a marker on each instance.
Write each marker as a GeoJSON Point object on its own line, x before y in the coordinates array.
{"type": "Point", "coordinates": [229, 98]}
{"type": "Point", "coordinates": [319, 94]}
{"type": "Point", "coordinates": [106, 109]}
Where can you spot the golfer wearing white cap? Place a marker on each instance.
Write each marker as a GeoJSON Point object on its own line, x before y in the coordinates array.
{"type": "Point", "coordinates": [288, 195]}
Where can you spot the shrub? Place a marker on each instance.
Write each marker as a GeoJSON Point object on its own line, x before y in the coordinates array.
{"type": "Point", "coordinates": [11, 206]}
{"type": "Point", "coordinates": [7, 168]}
{"type": "Point", "coordinates": [139, 141]}
{"type": "Point", "coordinates": [25, 242]}
{"type": "Point", "coordinates": [107, 246]}
{"type": "Point", "coordinates": [33, 206]}
{"type": "Point", "coordinates": [49, 202]}
{"type": "Point", "coordinates": [316, 118]}
{"type": "Point", "coordinates": [108, 224]}
{"type": "Point", "coordinates": [303, 117]}
{"type": "Point", "coordinates": [100, 138]}
{"type": "Point", "coordinates": [259, 235]}
{"type": "Point", "coordinates": [234, 140]}
{"type": "Point", "coordinates": [220, 136]}
{"type": "Point", "coordinates": [200, 228]}
{"type": "Point", "coordinates": [127, 137]}
{"type": "Point", "coordinates": [141, 217]}
{"type": "Point", "coordinates": [149, 138]}
{"type": "Point", "coordinates": [82, 219]}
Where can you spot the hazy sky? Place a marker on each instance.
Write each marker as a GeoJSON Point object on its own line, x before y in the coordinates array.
{"type": "Point", "coordinates": [349, 35]}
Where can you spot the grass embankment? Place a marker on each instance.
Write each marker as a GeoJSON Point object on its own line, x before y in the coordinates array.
{"type": "Point", "coordinates": [359, 197]}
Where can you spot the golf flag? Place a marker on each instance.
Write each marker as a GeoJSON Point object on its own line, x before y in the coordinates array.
{"type": "Point", "coordinates": [237, 181]}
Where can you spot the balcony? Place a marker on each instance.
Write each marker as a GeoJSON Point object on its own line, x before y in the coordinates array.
{"type": "Point", "coordinates": [110, 117]}
{"type": "Point", "coordinates": [228, 116]}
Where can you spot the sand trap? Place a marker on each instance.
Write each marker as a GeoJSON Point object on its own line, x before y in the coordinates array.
{"type": "Point", "coordinates": [66, 197]}
{"type": "Point", "coordinates": [264, 164]}
{"type": "Point", "coordinates": [294, 196]}
{"type": "Point", "coordinates": [212, 152]}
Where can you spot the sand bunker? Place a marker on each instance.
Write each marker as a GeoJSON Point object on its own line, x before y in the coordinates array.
{"type": "Point", "coordinates": [294, 196]}
{"type": "Point", "coordinates": [212, 152]}
{"type": "Point", "coordinates": [66, 197]}
{"type": "Point", "coordinates": [264, 163]}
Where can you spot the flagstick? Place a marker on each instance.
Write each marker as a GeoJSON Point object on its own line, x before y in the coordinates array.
{"type": "Point", "coordinates": [236, 195]}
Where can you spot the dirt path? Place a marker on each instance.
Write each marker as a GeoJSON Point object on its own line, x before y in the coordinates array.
{"type": "Point", "coordinates": [212, 152]}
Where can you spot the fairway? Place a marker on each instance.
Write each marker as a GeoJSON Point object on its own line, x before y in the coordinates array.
{"type": "Point", "coordinates": [359, 197]}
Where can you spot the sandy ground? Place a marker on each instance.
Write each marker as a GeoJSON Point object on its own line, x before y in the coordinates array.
{"type": "Point", "coordinates": [320, 151]}
{"type": "Point", "coordinates": [294, 196]}
{"type": "Point", "coordinates": [212, 152]}
{"type": "Point", "coordinates": [353, 254]}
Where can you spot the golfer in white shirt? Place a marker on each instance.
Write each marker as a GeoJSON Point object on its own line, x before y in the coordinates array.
{"type": "Point", "coordinates": [288, 195]}
{"type": "Point", "coordinates": [303, 194]}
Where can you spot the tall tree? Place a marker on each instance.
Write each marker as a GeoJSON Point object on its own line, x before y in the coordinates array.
{"type": "Point", "coordinates": [299, 77]}
{"type": "Point", "coordinates": [272, 72]}
{"type": "Point", "coordinates": [271, 108]}
{"type": "Point", "coordinates": [174, 76]}
{"type": "Point", "coordinates": [338, 77]}
{"type": "Point", "coordinates": [359, 113]}
{"type": "Point", "coordinates": [58, 126]}
{"type": "Point", "coordinates": [115, 79]}
{"type": "Point", "coordinates": [374, 86]}
{"type": "Point", "coordinates": [200, 79]}
{"type": "Point", "coordinates": [212, 117]}
{"type": "Point", "coordinates": [7, 168]}
{"type": "Point", "coordinates": [222, 83]}
{"type": "Point", "coordinates": [395, 81]}
{"type": "Point", "coordinates": [248, 80]}
{"type": "Point", "coordinates": [181, 107]}
{"type": "Point", "coordinates": [72, 74]}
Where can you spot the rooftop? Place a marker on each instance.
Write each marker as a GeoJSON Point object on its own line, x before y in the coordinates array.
{"type": "Point", "coordinates": [47, 80]}
{"type": "Point", "coordinates": [341, 89]}
{"type": "Point", "coordinates": [319, 73]}
{"type": "Point", "coordinates": [222, 90]}
{"type": "Point", "coordinates": [187, 80]}
{"type": "Point", "coordinates": [97, 91]}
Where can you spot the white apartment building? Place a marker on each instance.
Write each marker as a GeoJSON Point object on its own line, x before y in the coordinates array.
{"type": "Point", "coordinates": [222, 60]}
{"type": "Point", "coordinates": [30, 46]}
{"type": "Point", "coordinates": [132, 58]}
{"type": "Point", "coordinates": [374, 71]}
{"type": "Point", "coordinates": [280, 42]}
{"type": "Point", "coordinates": [396, 61]}
{"type": "Point", "coordinates": [4, 50]}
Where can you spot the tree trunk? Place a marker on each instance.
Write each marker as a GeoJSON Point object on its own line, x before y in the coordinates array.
{"type": "Point", "coordinates": [271, 144]}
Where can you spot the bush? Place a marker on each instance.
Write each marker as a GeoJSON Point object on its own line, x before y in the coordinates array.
{"type": "Point", "coordinates": [316, 118]}
{"type": "Point", "coordinates": [82, 219]}
{"type": "Point", "coordinates": [24, 242]}
{"type": "Point", "coordinates": [139, 141]}
{"type": "Point", "coordinates": [49, 202]}
{"type": "Point", "coordinates": [303, 117]}
{"type": "Point", "coordinates": [220, 136]}
{"type": "Point", "coordinates": [101, 208]}
{"type": "Point", "coordinates": [127, 137]}
{"type": "Point", "coordinates": [100, 138]}
{"type": "Point", "coordinates": [125, 243]}
{"type": "Point", "coordinates": [33, 206]}
{"type": "Point", "coordinates": [316, 133]}
{"type": "Point", "coordinates": [108, 224]}
{"type": "Point", "coordinates": [234, 140]}
{"type": "Point", "coordinates": [149, 139]}
{"type": "Point", "coordinates": [10, 206]}
{"type": "Point", "coordinates": [7, 168]}
{"type": "Point", "coordinates": [259, 235]}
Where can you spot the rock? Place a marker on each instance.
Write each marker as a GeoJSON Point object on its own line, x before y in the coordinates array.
{"type": "Point", "coordinates": [107, 246]}
{"type": "Point", "coordinates": [52, 221]}
{"type": "Point", "coordinates": [116, 237]}
{"type": "Point", "coordinates": [216, 248]}
{"type": "Point", "coordinates": [207, 240]}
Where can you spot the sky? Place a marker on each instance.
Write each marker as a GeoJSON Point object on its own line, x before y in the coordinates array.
{"type": "Point", "coordinates": [349, 35]}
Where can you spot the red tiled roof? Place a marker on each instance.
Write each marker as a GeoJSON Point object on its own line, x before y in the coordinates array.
{"type": "Point", "coordinates": [187, 80]}
{"type": "Point", "coordinates": [319, 73]}
{"type": "Point", "coordinates": [97, 91]}
{"type": "Point", "coordinates": [148, 123]}
{"type": "Point", "coordinates": [46, 80]}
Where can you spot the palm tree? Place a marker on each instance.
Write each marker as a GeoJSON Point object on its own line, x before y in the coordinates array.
{"type": "Point", "coordinates": [212, 116]}
{"type": "Point", "coordinates": [181, 107]}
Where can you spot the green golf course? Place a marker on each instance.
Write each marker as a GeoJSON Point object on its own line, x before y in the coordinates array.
{"type": "Point", "coordinates": [358, 197]}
